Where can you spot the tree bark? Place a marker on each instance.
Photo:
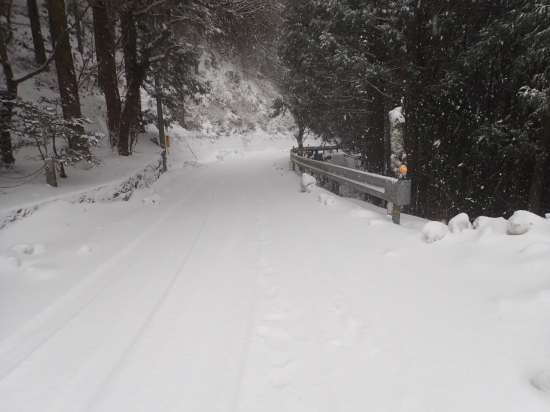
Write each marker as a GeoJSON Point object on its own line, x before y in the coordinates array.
{"type": "Point", "coordinates": [107, 75]}
{"type": "Point", "coordinates": [541, 164]}
{"type": "Point", "coordinates": [6, 110]}
{"type": "Point", "coordinates": [160, 120]}
{"type": "Point", "coordinates": [129, 118]}
{"type": "Point", "coordinates": [68, 86]}
{"type": "Point", "coordinates": [78, 26]}
{"type": "Point", "coordinates": [300, 137]}
{"type": "Point", "coordinates": [37, 39]}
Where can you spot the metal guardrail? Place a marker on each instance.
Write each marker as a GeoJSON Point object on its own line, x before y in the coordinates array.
{"type": "Point", "coordinates": [396, 191]}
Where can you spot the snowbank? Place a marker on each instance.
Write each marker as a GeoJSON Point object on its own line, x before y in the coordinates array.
{"type": "Point", "coordinates": [434, 231]}
{"type": "Point", "coordinates": [307, 183]}
{"type": "Point", "coordinates": [521, 221]}
{"type": "Point", "coordinates": [459, 223]}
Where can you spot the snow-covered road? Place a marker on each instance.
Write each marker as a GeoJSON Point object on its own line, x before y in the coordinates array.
{"type": "Point", "coordinates": [223, 288]}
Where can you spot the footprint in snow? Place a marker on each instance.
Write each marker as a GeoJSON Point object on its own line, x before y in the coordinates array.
{"type": "Point", "coordinates": [274, 337]}
{"type": "Point", "coordinates": [347, 329]}
{"type": "Point", "coordinates": [277, 316]}
{"type": "Point", "coordinates": [271, 292]}
{"type": "Point", "coordinates": [39, 274]}
{"type": "Point", "coordinates": [29, 249]}
{"type": "Point", "coordinates": [541, 381]}
{"type": "Point", "coordinates": [9, 263]}
{"type": "Point", "coordinates": [279, 360]}
{"type": "Point", "coordinates": [84, 250]}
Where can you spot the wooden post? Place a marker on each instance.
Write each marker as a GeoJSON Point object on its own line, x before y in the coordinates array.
{"type": "Point", "coordinates": [51, 177]}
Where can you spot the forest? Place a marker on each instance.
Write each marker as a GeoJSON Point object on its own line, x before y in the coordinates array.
{"type": "Point", "coordinates": [471, 76]}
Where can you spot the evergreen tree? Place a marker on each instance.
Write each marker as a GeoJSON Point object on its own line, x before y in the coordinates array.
{"type": "Point", "coordinates": [473, 77]}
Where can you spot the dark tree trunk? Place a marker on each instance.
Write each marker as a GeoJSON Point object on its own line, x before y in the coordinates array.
{"type": "Point", "coordinates": [78, 25]}
{"type": "Point", "coordinates": [130, 115]}
{"type": "Point", "coordinates": [128, 122]}
{"type": "Point", "coordinates": [107, 75]}
{"type": "Point", "coordinates": [300, 137]}
{"type": "Point", "coordinates": [160, 120]}
{"type": "Point", "coordinates": [182, 116]}
{"type": "Point", "coordinates": [414, 145]}
{"type": "Point", "coordinates": [37, 39]}
{"type": "Point", "coordinates": [6, 110]}
{"type": "Point", "coordinates": [68, 86]}
{"type": "Point", "coordinates": [541, 164]}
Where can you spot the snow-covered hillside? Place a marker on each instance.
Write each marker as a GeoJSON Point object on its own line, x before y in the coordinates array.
{"type": "Point", "coordinates": [233, 116]}
{"type": "Point", "coordinates": [223, 287]}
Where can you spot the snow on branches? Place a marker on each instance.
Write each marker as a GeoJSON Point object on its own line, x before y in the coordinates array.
{"type": "Point", "coordinates": [43, 127]}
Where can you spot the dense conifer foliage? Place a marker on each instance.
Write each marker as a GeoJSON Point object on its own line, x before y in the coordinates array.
{"type": "Point", "coordinates": [472, 77]}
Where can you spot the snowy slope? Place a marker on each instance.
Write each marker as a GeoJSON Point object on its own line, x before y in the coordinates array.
{"type": "Point", "coordinates": [233, 115]}
{"type": "Point", "coordinates": [222, 287]}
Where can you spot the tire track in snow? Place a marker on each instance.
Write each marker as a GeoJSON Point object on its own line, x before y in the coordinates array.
{"type": "Point", "coordinates": [218, 298]}
{"type": "Point", "coordinates": [21, 344]}
{"type": "Point", "coordinates": [96, 396]}
{"type": "Point", "coordinates": [251, 324]}
{"type": "Point", "coordinates": [118, 266]}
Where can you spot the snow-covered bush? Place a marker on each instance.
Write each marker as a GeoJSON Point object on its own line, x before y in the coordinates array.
{"type": "Point", "coordinates": [43, 127]}
{"type": "Point", "coordinates": [460, 222]}
{"type": "Point", "coordinates": [521, 221]}
{"type": "Point", "coordinates": [307, 183]}
{"type": "Point", "coordinates": [326, 200]}
{"type": "Point", "coordinates": [434, 231]}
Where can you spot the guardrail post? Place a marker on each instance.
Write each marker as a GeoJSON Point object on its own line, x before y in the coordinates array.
{"type": "Point", "coordinates": [51, 177]}
{"type": "Point", "coordinates": [396, 214]}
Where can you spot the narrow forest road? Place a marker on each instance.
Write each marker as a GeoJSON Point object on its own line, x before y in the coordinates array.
{"type": "Point", "coordinates": [223, 288]}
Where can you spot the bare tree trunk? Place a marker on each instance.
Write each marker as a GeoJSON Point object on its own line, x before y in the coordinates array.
{"type": "Point", "coordinates": [160, 120]}
{"type": "Point", "coordinates": [182, 116]}
{"type": "Point", "coordinates": [68, 86]}
{"type": "Point", "coordinates": [78, 25]}
{"type": "Point", "coordinates": [300, 137]}
{"type": "Point", "coordinates": [107, 75]}
{"type": "Point", "coordinates": [541, 164]}
{"type": "Point", "coordinates": [37, 39]}
{"type": "Point", "coordinates": [6, 110]}
{"type": "Point", "coordinates": [129, 118]}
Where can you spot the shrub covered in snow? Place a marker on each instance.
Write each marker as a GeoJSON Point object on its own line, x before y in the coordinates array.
{"type": "Point", "coordinates": [434, 231]}
{"type": "Point", "coordinates": [460, 222]}
{"type": "Point", "coordinates": [307, 183]}
{"type": "Point", "coordinates": [42, 126]}
{"type": "Point", "coordinates": [326, 200]}
{"type": "Point", "coordinates": [521, 221]}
